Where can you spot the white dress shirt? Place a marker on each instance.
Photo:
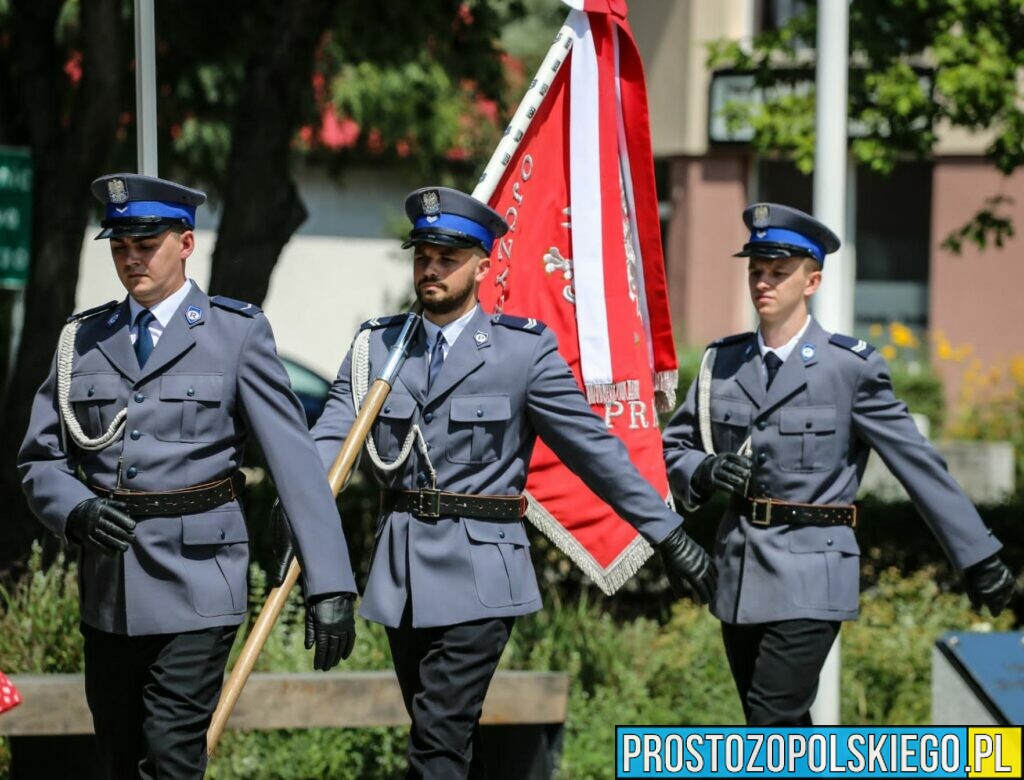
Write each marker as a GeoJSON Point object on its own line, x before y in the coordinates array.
{"type": "Point", "coordinates": [782, 352]}
{"type": "Point", "coordinates": [451, 331]}
{"type": "Point", "coordinates": [162, 312]}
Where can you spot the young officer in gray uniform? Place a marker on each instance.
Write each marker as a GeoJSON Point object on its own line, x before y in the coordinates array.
{"type": "Point", "coordinates": [133, 451]}
{"type": "Point", "coordinates": [451, 567]}
{"type": "Point", "coordinates": [783, 421]}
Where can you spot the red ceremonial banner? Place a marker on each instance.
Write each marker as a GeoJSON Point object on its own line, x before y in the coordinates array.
{"type": "Point", "coordinates": [607, 305]}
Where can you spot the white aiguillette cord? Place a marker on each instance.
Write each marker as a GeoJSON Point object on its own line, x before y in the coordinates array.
{"type": "Point", "coordinates": [707, 366]}
{"type": "Point", "coordinates": [360, 387]}
{"type": "Point", "coordinates": [69, 423]}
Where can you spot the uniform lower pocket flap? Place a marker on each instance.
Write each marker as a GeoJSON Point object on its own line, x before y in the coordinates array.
{"type": "Point", "coordinates": [730, 412]}
{"type": "Point", "coordinates": [214, 528]}
{"type": "Point", "coordinates": [811, 539]}
{"type": "Point", "coordinates": [94, 387]}
{"type": "Point", "coordinates": [398, 406]}
{"type": "Point", "coordinates": [491, 532]}
{"type": "Point", "coordinates": [192, 387]}
{"type": "Point", "coordinates": [808, 419]}
{"type": "Point", "coordinates": [480, 408]}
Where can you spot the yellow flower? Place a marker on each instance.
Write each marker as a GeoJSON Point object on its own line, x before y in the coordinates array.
{"type": "Point", "coordinates": [875, 331]}
{"type": "Point", "coordinates": [943, 351]}
{"type": "Point", "coordinates": [901, 335]}
{"type": "Point", "coordinates": [889, 352]}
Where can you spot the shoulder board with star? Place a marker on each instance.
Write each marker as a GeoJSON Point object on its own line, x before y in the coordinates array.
{"type": "Point", "coordinates": [383, 322]}
{"type": "Point", "coordinates": [93, 311]}
{"type": "Point", "coordinates": [734, 339]}
{"type": "Point", "coordinates": [858, 347]}
{"type": "Point", "coordinates": [529, 324]}
{"type": "Point", "coordinates": [238, 307]}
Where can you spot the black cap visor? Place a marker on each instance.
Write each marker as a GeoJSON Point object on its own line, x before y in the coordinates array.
{"type": "Point", "coordinates": [772, 250]}
{"type": "Point", "coordinates": [443, 237]}
{"type": "Point", "coordinates": [138, 227]}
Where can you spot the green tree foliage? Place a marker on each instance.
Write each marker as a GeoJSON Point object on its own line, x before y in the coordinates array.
{"type": "Point", "coordinates": [917, 66]}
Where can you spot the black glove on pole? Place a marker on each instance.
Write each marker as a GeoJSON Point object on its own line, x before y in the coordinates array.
{"type": "Point", "coordinates": [282, 544]}
{"type": "Point", "coordinates": [331, 626]}
{"type": "Point", "coordinates": [686, 561]}
{"type": "Point", "coordinates": [103, 523]}
{"type": "Point", "coordinates": [990, 584]}
{"type": "Point", "coordinates": [729, 472]}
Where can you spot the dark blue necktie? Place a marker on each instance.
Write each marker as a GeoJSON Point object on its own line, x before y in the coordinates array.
{"type": "Point", "coordinates": [772, 363]}
{"type": "Point", "coordinates": [436, 360]}
{"type": "Point", "coordinates": [144, 339]}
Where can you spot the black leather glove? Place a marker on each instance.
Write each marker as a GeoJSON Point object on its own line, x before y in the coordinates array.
{"type": "Point", "coordinates": [330, 625]}
{"type": "Point", "coordinates": [989, 584]}
{"type": "Point", "coordinates": [687, 562]}
{"type": "Point", "coordinates": [729, 472]}
{"type": "Point", "coordinates": [103, 523]}
{"type": "Point", "coordinates": [281, 543]}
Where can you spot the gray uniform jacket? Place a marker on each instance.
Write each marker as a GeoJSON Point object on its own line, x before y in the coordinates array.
{"type": "Point", "coordinates": [830, 404]}
{"type": "Point", "coordinates": [213, 379]}
{"type": "Point", "coordinates": [502, 384]}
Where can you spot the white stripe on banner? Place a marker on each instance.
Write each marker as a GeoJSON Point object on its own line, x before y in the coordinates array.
{"type": "Point", "coordinates": [585, 205]}
{"type": "Point", "coordinates": [627, 189]}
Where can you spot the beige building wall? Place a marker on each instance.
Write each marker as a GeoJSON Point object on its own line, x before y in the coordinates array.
{"type": "Point", "coordinates": [976, 296]}
{"type": "Point", "coordinates": [707, 286]}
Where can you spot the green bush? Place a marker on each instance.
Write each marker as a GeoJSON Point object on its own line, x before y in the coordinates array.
{"type": "Point", "coordinates": [39, 619]}
{"type": "Point", "coordinates": [637, 671]}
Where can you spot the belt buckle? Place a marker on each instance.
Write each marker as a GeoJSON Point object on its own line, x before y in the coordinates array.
{"type": "Point", "coordinates": [767, 521]}
{"type": "Point", "coordinates": [428, 503]}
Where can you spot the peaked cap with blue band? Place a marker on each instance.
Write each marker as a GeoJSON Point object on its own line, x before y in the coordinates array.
{"type": "Point", "coordinates": [782, 231]}
{"type": "Point", "coordinates": [444, 216]}
{"type": "Point", "coordinates": [140, 206]}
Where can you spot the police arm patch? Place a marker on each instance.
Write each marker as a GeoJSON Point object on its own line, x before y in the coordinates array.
{"type": "Point", "coordinates": [239, 307]}
{"type": "Point", "coordinates": [858, 347]}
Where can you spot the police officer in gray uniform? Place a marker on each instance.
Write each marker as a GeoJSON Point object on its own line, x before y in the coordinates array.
{"type": "Point", "coordinates": [451, 566]}
{"type": "Point", "coordinates": [132, 452]}
{"type": "Point", "coordinates": [783, 420]}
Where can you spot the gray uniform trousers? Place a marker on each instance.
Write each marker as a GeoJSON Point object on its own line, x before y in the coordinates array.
{"type": "Point", "coordinates": [212, 380]}
{"type": "Point", "coordinates": [502, 384]}
{"type": "Point", "coordinates": [811, 432]}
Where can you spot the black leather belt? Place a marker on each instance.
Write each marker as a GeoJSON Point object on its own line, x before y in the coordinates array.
{"type": "Point", "coordinates": [188, 501]}
{"type": "Point", "coordinates": [765, 512]}
{"type": "Point", "coordinates": [435, 503]}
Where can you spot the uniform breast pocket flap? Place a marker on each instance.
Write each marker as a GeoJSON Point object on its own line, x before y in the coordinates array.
{"type": "Point", "coordinates": [477, 427]}
{"type": "Point", "coordinates": [393, 423]}
{"type": "Point", "coordinates": [807, 438]}
{"type": "Point", "coordinates": [96, 400]}
{"type": "Point", "coordinates": [727, 412]}
{"type": "Point", "coordinates": [194, 401]}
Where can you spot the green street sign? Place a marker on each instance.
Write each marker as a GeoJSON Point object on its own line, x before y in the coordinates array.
{"type": "Point", "coordinates": [15, 216]}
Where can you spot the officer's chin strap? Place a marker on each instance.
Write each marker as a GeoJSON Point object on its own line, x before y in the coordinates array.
{"type": "Point", "coordinates": [707, 366]}
{"type": "Point", "coordinates": [360, 386]}
{"type": "Point", "coordinates": [69, 423]}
